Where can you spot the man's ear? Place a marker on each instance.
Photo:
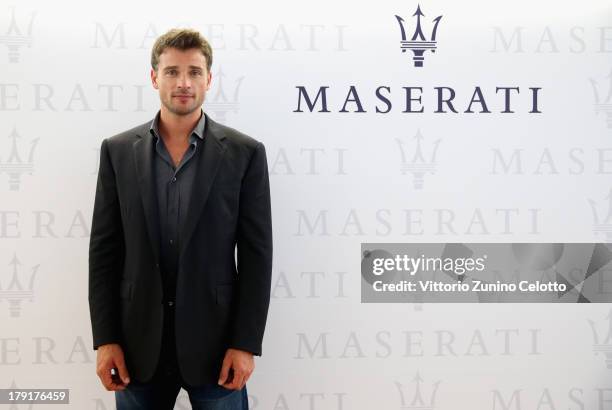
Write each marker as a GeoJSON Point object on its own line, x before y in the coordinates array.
{"type": "Point", "coordinates": [208, 82]}
{"type": "Point", "coordinates": [154, 79]}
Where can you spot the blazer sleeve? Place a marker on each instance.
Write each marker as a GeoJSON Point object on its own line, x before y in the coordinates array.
{"type": "Point", "coordinates": [254, 255]}
{"type": "Point", "coordinates": [106, 255]}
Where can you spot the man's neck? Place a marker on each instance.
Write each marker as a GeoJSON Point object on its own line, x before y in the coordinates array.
{"type": "Point", "coordinates": [177, 127]}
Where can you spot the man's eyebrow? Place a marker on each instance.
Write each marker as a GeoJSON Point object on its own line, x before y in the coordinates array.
{"type": "Point", "coordinates": [174, 67]}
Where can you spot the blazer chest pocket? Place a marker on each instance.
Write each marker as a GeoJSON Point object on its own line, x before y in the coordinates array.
{"type": "Point", "coordinates": [125, 290]}
{"type": "Point", "coordinates": [225, 294]}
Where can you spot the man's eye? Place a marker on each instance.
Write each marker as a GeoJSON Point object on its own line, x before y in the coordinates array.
{"type": "Point", "coordinates": [195, 73]}
{"type": "Point", "coordinates": [171, 72]}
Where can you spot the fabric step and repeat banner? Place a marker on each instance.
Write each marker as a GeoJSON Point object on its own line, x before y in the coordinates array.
{"type": "Point", "coordinates": [439, 143]}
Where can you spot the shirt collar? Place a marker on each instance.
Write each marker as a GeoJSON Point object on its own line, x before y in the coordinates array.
{"type": "Point", "coordinates": [198, 130]}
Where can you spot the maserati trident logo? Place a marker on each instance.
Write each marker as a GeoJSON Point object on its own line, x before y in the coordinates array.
{"type": "Point", "coordinates": [418, 164]}
{"type": "Point", "coordinates": [16, 38]}
{"type": "Point", "coordinates": [219, 103]}
{"type": "Point", "coordinates": [603, 98]}
{"type": "Point", "coordinates": [602, 340]}
{"type": "Point", "coordinates": [14, 165]}
{"type": "Point", "coordinates": [16, 291]}
{"type": "Point", "coordinates": [418, 43]}
{"type": "Point", "coordinates": [417, 401]}
{"type": "Point", "coordinates": [601, 220]}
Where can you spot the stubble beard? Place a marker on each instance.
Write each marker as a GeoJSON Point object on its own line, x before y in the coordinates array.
{"type": "Point", "coordinates": [177, 110]}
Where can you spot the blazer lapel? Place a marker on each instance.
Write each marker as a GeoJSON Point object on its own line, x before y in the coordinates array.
{"type": "Point", "coordinates": [207, 166]}
{"type": "Point", "coordinates": [143, 156]}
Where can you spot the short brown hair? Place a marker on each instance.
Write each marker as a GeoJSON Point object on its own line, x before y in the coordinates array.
{"type": "Point", "coordinates": [182, 39]}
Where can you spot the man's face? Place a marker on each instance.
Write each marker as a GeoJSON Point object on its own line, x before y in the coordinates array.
{"type": "Point", "coordinates": [182, 80]}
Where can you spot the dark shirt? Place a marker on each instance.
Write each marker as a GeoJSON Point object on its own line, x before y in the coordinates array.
{"type": "Point", "coordinates": [173, 187]}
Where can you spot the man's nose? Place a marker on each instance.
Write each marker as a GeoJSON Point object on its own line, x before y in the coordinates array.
{"type": "Point", "coordinates": [184, 81]}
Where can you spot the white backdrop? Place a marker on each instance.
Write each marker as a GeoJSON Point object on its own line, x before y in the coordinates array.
{"type": "Point", "coordinates": [73, 73]}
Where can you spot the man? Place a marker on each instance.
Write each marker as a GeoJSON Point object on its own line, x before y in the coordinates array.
{"type": "Point", "coordinates": [175, 198]}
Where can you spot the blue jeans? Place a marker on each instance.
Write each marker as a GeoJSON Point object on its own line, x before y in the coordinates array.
{"type": "Point", "coordinates": [161, 393]}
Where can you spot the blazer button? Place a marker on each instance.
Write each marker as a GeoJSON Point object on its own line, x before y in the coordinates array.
{"type": "Point", "coordinates": [170, 303]}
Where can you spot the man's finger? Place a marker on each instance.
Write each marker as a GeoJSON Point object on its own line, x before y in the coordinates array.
{"type": "Point", "coordinates": [115, 386]}
{"type": "Point", "coordinates": [224, 371]}
{"type": "Point", "coordinates": [242, 382]}
{"type": "Point", "coordinates": [123, 372]}
{"type": "Point", "coordinates": [108, 383]}
{"type": "Point", "coordinates": [105, 378]}
{"type": "Point", "coordinates": [246, 378]}
{"type": "Point", "coordinates": [237, 381]}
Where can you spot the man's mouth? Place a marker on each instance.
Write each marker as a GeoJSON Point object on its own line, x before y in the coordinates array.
{"type": "Point", "coordinates": [183, 98]}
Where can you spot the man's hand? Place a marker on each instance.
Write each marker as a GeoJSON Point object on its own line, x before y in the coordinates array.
{"type": "Point", "coordinates": [242, 365]}
{"type": "Point", "coordinates": [109, 356]}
